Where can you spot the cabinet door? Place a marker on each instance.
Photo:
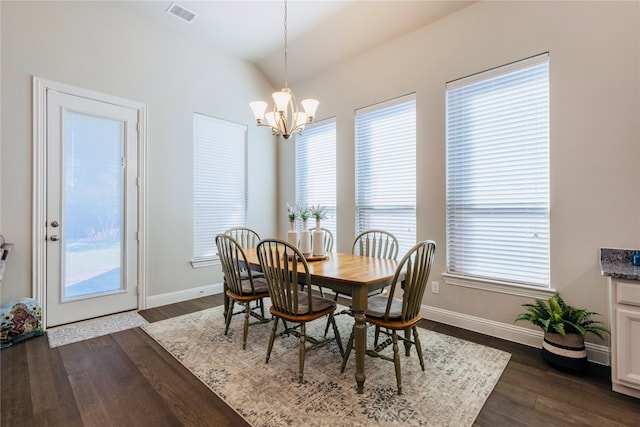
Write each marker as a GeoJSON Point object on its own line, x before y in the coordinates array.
{"type": "Point", "coordinates": [628, 358]}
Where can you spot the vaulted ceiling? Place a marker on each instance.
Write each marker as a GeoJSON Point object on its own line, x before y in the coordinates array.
{"type": "Point", "coordinates": [320, 33]}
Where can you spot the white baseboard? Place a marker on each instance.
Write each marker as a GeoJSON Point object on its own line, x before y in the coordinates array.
{"type": "Point", "coordinates": [595, 353]}
{"type": "Point", "coordinates": [184, 295]}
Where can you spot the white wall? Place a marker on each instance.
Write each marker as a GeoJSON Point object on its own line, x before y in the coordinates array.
{"type": "Point", "coordinates": [595, 130]}
{"type": "Point", "coordinates": [106, 47]}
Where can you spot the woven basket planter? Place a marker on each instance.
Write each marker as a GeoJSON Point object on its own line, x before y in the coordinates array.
{"type": "Point", "coordinates": [565, 351]}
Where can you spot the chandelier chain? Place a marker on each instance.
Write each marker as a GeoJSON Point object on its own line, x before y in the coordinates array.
{"type": "Point", "coordinates": [286, 77]}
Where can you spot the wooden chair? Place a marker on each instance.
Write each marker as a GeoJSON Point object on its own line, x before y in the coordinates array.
{"type": "Point", "coordinates": [389, 314]}
{"type": "Point", "coordinates": [246, 237]}
{"type": "Point", "coordinates": [240, 285]}
{"type": "Point", "coordinates": [372, 243]}
{"type": "Point", "coordinates": [328, 240]}
{"type": "Point", "coordinates": [289, 303]}
{"type": "Point", "coordinates": [376, 243]}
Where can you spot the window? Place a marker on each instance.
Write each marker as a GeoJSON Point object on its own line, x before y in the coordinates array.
{"type": "Point", "coordinates": [316, 170]}
{"type": "Point", "coordinates": [498, 174]}
{"type": "Point", "coordinates": [219, 181]}
{"type": "Point", "coordinates": [386, 169]}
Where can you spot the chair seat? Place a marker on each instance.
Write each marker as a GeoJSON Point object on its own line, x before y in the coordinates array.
{"type": "Point", "coordinates": [259, 284]}
{"type": "Point", "coordinates": [321, 307]}
{"type": "Point", "coordinates": [254, 274]}
{"type": "Point", "coordinates": [319, 304]}
{"type": "Point", "coordinates": [377, 307]}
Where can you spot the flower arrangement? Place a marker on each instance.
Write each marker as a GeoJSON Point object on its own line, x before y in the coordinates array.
{"type": "Point", "coordinates": [304, 212]}
{"type": "Point", "coordinates": [292, 212]}
{"type": "Point", "coordinates": [319, 212]}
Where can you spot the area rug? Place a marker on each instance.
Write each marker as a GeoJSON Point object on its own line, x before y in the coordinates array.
{"type": "Point", "coordinates": [92, 328]}
{"type": "Point", "coordinates": [458, 376]}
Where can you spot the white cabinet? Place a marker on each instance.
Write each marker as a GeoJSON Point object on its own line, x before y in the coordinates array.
{"type": "Point", "coordinates": [625, 336]}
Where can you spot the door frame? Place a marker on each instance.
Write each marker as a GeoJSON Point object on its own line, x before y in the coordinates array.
{"type": "Point", "coordinates": [39, 211]}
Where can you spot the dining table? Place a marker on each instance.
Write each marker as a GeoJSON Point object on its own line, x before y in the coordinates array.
{"type": "Point", "coordinates": [353, 275]}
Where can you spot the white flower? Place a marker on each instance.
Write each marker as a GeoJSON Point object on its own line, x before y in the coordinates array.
{"type": "Point", "coordinates": [292, 213]}
{"type": "Point", "coordinates": [319, 212]}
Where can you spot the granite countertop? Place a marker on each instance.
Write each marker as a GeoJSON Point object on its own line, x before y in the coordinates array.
{"type": "Point", "coordinates": [618, 263]}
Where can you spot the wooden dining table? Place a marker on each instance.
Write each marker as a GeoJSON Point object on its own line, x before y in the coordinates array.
{"type": "Point", "coordinates": [351, 275]}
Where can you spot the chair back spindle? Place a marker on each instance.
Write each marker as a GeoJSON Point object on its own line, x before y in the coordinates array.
{"type": "Point", "coordinates": [285, 276]}
{"type": "Point", "coordinates": [376, 243]}
{"type": "Point", "coordinates": [246, 237]}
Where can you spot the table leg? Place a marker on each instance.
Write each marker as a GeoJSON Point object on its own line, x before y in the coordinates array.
{"type": "Point", "coordinates": [359, 306]}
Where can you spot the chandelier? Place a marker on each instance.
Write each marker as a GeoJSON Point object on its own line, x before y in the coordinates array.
{"type": "Point", "coordinates": [285, 119]}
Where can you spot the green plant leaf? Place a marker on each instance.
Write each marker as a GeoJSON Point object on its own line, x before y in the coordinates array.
{"type": "Point", "coordinates": [556, 315]}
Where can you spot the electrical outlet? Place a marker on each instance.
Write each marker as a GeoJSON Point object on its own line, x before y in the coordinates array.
{"type": "Point", "coordinates": [435, 287]}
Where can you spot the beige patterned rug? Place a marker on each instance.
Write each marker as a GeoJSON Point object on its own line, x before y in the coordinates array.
{"type": "Point", "coordinates": [92, 328]}
{"type": "Point", "coordinates": [459, 375]}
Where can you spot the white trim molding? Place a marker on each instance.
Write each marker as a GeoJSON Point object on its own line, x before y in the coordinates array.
{"type": "Point", "coordinates": [497, 286]}
{"type": "Point", "coordinates": [184, 295]}
{"type": "Point", "coordinates": [205, 262]}
{"type": "Point", "coordinates": [40, 88]}
{"type": "Point", "coordinates": [595, 353]}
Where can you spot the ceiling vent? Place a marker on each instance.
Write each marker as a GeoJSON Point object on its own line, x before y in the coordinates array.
{"type": "Point", "coordinates": [181, 13]}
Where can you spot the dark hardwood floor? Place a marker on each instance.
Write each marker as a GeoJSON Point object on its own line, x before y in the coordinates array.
{"type": "Point", "coordinates": [127, 379]}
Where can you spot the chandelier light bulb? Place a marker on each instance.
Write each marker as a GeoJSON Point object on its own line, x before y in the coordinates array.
{"type": "Point", "coordinates": [310, 106]}
{"type": "Point", "coordinates": [258, 108]}
{"type": "Point", "coordinates": [282, 99]}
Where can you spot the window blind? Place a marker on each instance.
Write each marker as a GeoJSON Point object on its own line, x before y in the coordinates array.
{"type": "Point", "coordinates": [385, 142]}
{"type": "Point", "coordinates": [219, 181]}
{"type": "Point", "coordinates": [497, 130]}
{"type": "Point", "coordinates": [316, 171]}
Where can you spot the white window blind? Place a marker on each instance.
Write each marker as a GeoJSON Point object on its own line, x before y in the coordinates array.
{"type": "Point", "coordinates": [219, 181]}
{"type": "Point", "coordinates": [498, 174]}
{"type": "Point", "coordinates": [316, 171]}
{"type": "Point", "coordinates": [386, 169]}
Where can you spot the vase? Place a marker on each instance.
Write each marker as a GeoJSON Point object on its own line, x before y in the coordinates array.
{"type": "Point", "coordinates": [565, 351]}
{"type": "Point", "coordinates": [318, 242]}
{"type": "Point", "coordinates": [292, 234]}
{"type": "Point", "coordinates": [318, 228]}
{"type": "Point", "coordinates": [305, 239]}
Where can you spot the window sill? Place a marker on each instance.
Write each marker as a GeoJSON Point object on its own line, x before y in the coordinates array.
{"type": "Point", "coordinates": [204, 262]}
{"type": "Point", "coordinates": [497, 286]}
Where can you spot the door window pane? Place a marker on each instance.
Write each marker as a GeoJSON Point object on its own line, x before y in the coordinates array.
{"type": "Point", "coordinates": [92, 175]}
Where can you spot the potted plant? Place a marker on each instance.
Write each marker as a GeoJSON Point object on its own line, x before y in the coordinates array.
{"type": "Point", "coordinates": [564, 329]}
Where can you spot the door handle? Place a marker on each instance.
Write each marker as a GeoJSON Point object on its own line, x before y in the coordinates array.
{"type": "Point", "coordinates": [54, 238]}
{"type": "Point", "coordinates": [55, 224]}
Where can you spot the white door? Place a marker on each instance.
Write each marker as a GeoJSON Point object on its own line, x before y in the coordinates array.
{"type": "Point", "coordinates": [91, 208]}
